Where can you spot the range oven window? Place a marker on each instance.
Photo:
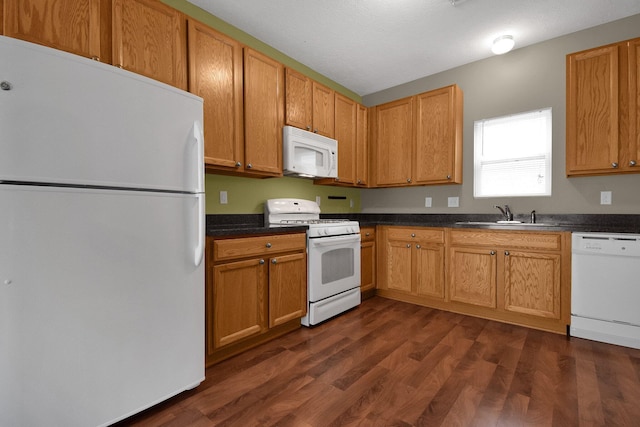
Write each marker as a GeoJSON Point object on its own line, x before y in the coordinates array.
{"type": "Point", "coordinates": [337, 264]}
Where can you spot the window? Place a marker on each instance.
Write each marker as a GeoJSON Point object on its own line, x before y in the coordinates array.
{"type": "Point", "coordinates": [512, 155]}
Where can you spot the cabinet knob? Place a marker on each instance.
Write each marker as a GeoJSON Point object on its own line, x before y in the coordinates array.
{"type": "Point", "coordinates": [315, 131]}
{"type": "Point", "coordinates": [359, 181]}
{"type": "Point", "coordinates": [413, 234]}
{"type": "Point", "coordinates": [96, 58]}
{"type": "Point", "coordinates": [268, 245]}
{"type": "Point", "coordinates": [238, 164]}
{"type": "Point", "coordinates": [614, 165]}
{"type": "Point", "coordinates": [409, 180]}
{"type": "Point", "coordinates": [367, 234]}
{"type": "Point", "coordinates": [408, 245]}
{"type": "Point", "coordinates": [274, 261]}
{"type": "Point", "coordinates": [632, 163]}
{"type": "Point", "coordinates": [417, 246]}
{"type": "Point", "coordinates": [261, 262]}
{"type": "Point", "coordinates": [492, 252]}
{"type": "Point", "coordinates": [249, 165]}
{"type": "Point", "coordinates": [120, 66]}
{"type": "Point", "coordinates": [506, 253]}
{"type": "Point", "coordinates": [448, 176]}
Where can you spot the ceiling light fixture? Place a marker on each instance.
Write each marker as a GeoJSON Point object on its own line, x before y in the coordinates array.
{"type": "Point", "coordinates": [502, 44]}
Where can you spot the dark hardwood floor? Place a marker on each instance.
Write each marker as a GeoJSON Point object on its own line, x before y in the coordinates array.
{"type": "Point", "coordinates": [389, 363]}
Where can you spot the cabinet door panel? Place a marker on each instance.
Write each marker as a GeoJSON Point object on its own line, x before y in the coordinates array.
{"type": "Point", "coordinates": [362, 146]}
{"type": "Point", "coordinates": [263, 113]}
{"type": "Point", "coordinates": [298, 105]}
{"type": "Point", "coordinates": [532, 284]}
{"type": "Point", "coordinates": [150, 38]}
{"type": "Point", "coordinates": [430, 271]}
{"type": "Point", "coordinates": [398, 265]}
{"type": "Point", "coordinates": [323, 110]}
{"type": "Point", "coordinates": [473, 276]}
{"type": "Point", "coordinates": [345, 133]}
{"type": "Point", "coordinates": [592, 110]}
{"type": "Point", "coordinates": [215, 74]}
{"type": "Point", "coordinates": [240, 301]}
{"type": "Point", "coordinates": [82, 27]}
{"type": "Point", "coordinates": [634, 104]}
{"type": "Point", "coordinates": [287, 288]}
{"type": "Point", "coordinates": [367, 266]}
{"type": "Point", "coordinates": [394, 141]}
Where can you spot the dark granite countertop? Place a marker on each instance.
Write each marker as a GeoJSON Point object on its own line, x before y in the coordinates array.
{"type": "Point", "coordinates": [253, 224]}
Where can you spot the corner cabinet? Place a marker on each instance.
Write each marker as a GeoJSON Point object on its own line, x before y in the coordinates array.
{"type": "Point", "coordinates": [411, 264]}
{"type": "Point", "coordinates": [424, 131]}
{"type": "Point", "coordinates": [603, 94]}
{"type": "Point", "coordinates": [256, 290]}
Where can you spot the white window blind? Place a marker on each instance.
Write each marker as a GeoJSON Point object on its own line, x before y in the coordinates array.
{"type": "Point", "coordinates": [512, 155]}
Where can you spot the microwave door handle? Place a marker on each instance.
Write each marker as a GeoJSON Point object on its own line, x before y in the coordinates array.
{"type": "Point", "coordinates": [331, 160]}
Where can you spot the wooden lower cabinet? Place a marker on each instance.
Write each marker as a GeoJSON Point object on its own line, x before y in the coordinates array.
{"type": "Point", "coordinates": [411, 264]}
{"type": "Point", "coordinates": [256, 290]}
{"type": "Point", "coordinates": [367, 261]}
{"type": "Point", "coordinates": [517, 277]}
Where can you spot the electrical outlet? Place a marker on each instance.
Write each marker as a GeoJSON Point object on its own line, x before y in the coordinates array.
{"type": "Point", "coordinates": [318, 198]}
{"type": "Point", "coordinates": [453, 202]}
{"type": "Point", "coordinates": [428, 202]}
{"type": "Point", "coordinates": [223, 198]}
{"type": "Point", "coordinates": [351, 203]}
{"type": "Point", "coordinates": [605, 197]}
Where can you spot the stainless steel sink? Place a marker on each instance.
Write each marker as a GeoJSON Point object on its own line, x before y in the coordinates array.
{"type": "Point", "coordinates": [508, 223]}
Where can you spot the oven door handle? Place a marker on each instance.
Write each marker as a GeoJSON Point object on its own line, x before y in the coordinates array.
{"type": "Point", "coordinates": [334, 241]}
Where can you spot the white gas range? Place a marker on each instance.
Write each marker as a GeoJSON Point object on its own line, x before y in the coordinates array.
{"type": "Point", "coordinates": [333, 256]}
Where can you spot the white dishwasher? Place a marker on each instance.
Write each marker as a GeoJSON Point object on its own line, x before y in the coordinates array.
{"type": "Point", "coordinates": [605, 288]}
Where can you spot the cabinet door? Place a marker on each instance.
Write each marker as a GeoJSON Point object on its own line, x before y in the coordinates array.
{"type": "Point", "coordinates": [150, 38]}
{"type": "Point", "coordinates": [215, 74]}
{"type": "Point", "coordinates": [239, 300]}
{"type": "Point", "coordinates": [472, 276]}
{"type": "Point", "coordinates": [367, 265]}
{"type": "Point", "coordinates": [438, 157]}
{"type": "Point", "coordinates": [397, 268]}
{"type": "Point", "coordinates": [393, 144]}
{"type": "Point", "coordinates": [298, 105]}
{"type": "Point", "coordinates": [82, 27]}
{"type": "Point", "coordinates": [430, 271]}
{"type": "Point", "coordinates": [532, 283]}
{"type": "Point", "coordinates": [346, 111]}
{"type": "Point", "coordinates": [263, 113]}
{"type": "Point", "coordinates": [592, 111]}
{"type": "Point", "coordinates": [287, 288]}
{"type": "Point", "coordinates": [323, 110]}
{"type": "Point", "coordinates": [362, 146]}
{"type": "Point", "coordinates": [633, 50]}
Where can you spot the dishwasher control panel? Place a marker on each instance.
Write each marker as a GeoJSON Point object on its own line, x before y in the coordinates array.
{"type": "Point", "coordinates": [609, 244]}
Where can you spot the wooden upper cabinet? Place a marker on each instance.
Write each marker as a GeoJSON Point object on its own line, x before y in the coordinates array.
{"type": "Point", "coordinates": [633, 53]}
{"type": "Point", "coordinates": [346, 111]}
{"type": "Point", "coordinates": [309, 105]}
{"type": "Point", "coordinates": [394, 141]}
{"type": "Point", "coordinates": [150, 38]}
{"type": "Point", "coordinates": [592, 111]}
{"type": "Point", "coordinates": [323, 110]}
{"type": "Point", "coordinates": [362, 146]}
{"type": "Point", "coordinates": [438, 155]}
{"type": "Point", "coordinates": [263, 113]}
{"type": "Point", "coordinates": [215, 74]}
{"type": "Point", "coordinates": [82, 27]}
{"type": "Point", "coordinates": [299, 107]}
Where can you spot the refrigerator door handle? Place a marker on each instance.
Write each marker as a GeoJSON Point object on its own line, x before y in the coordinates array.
{"type": "Point", "coordinates": [199, 249]}
{"type": "Point", "coordinates": [198, 135]}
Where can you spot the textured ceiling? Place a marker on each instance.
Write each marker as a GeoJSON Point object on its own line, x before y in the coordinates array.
{"type": "Point", "coordinates": [370, 45]}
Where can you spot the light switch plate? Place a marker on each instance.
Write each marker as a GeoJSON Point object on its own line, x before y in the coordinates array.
{"type": "Point", "coordinates": [318, 198]}
{"type": "Point", "coordinates": [453, 202]}
{"type": "Point", "coordinates": [223, 198]}
{"type": "Point", "coordinates": [428, 202]}
{"type": "Point", "coordinates": [605, 197]}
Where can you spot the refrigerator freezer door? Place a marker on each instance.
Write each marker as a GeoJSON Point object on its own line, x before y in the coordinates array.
{"type": "Point", "coordinates": [68, 119]}
{"type": "Point", "coordinates": [101, 303]}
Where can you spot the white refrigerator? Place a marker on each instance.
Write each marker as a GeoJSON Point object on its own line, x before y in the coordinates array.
{"type": "Point", "coordinates": [101, 240]}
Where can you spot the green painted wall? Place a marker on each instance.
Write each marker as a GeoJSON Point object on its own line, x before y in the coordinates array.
{"type": "Point", "coordinates": [220, 25]}
{"type": "Point", "coordinates": [247, 195]}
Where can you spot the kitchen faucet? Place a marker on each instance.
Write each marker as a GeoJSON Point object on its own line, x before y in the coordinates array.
{"type": "Point", "coordinates": [508, 216]}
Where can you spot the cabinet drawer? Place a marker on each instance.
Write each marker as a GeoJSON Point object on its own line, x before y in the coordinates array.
{"type": "Point", "coordinates": [508, 239]}
{"type": "Point", "coordinates": [367, 234]}
{"type": "Point", "coordinates": [433, 235]}
{"type": "Point", "coordinates": [252, 246]}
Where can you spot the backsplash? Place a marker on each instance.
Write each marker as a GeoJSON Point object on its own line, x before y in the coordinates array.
{"type": "Point", "coordinates": [247, 195]}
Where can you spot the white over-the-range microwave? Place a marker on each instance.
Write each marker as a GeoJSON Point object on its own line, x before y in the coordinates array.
{"type": "Point", "coordinates": [307, 154]}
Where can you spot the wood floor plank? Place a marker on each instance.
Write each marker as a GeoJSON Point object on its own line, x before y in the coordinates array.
{"type": "Point", "coordinates": [389, 363]}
